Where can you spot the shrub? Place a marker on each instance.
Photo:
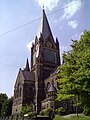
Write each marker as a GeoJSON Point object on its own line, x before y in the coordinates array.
{"type": "Point", "coordinates": [46, 112]}
{"type": "Point", "coordinates": [60, 111]}
{"type": "Point", "coordinates": [25, 110]}
{"type": "Point", "coordinates": [86, 111]}
{"type": "Point", "coordinates": [42, 112]}
{"type": "Point", "coordinates": [30, 114]}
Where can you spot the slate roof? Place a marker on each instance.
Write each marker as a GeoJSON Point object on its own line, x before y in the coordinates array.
{"type": "Point", "coordinates": [29, 75]}
{"type": "Point", "coordinates": [44, 27]}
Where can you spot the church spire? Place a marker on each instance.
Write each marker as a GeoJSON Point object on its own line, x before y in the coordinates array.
{"type": "Point", "coordinates": [44, 28]}
{"type": "Point", "coordinates": [27, 66]}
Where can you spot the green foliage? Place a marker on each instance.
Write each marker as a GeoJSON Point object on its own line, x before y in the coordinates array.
{"type": "Point", "coordinates": [42, 112]}
{"type": "Point", "coordinates": [46, 112]}
{"type": "Point", "coordinates": [75, 72]}
{"type": "Point", "coordinates": [60, 111]}
{"type": "Point", "coordinates": [81, 117]}
{"type": "Point", "coordinates": [58, 117]}
{"type": "Point", "coordinates": [5, 105]}
{"type": "Point", "coordinates": [31, 114]}
{"type": "Point", "coordinates": [26, 110]}
{"type": "Point", "coordinates": [86, 111]}
{"type": "Point", "coordinates": [3, 97]}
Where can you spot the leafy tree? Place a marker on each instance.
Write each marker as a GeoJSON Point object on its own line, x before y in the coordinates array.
{"type": "Point", "coordinates": [3, 97]}
{"type": "Point", "coordinates": [75, 73]}
{"type": "Point", "coordinates": [7, 107]}
{"type": "Point", "coordinates": [10, 102]}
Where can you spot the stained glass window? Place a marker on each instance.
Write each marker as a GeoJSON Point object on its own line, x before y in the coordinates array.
{"type": "Point", "coordinates": [49, 56]}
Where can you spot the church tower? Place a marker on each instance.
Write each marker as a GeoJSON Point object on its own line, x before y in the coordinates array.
{"type": "Point", "coordinates": [30, 85]}
{"type": "Point", "coordinates": [45, 57]}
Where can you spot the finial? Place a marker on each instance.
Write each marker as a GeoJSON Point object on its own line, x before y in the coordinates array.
{"type": "Point", "coordinates": [43, 6]}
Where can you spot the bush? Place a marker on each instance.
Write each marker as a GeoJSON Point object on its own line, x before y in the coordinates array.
{"type": "Point", "coordinates": [46, 112]}
{"type": "Point", "coordinates": [25, 110]}
{"type": "Point", "coordinates": [86, 111]}
{"type": "Point", "coordinates": [30, 114]}
{"type": "Point", "coordinates": [60, 111]}
{"type": "Point", "coordinates": [42, 112]}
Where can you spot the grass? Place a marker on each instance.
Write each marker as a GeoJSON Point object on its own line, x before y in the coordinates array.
{"type": "Point", "coordinates": [81, 117]}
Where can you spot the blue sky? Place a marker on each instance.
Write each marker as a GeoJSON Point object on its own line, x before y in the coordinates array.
{"type": "Point", "coordinates": [66, 24]}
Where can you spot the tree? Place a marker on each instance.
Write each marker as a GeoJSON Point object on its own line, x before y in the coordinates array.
{"type": "Point", "coordinates": [7, 107]}
{"type": "Point", "coordinates": [75, 73]}
{"type": "Point", "coordinates": [3, 97]}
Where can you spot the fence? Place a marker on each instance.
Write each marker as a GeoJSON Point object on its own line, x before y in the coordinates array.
{"type": "Point", "coordinates": [18, 118]}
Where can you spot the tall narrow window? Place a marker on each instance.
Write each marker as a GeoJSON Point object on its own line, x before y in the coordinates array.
{"type": "Point", "coordinates": [20, 92]}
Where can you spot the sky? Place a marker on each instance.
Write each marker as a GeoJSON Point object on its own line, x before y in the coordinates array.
{"type": "Point", "coordinates": [19, 22]}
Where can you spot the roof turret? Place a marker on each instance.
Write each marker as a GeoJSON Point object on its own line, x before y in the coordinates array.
{"type": "Point", "coordinates": [52, 88]}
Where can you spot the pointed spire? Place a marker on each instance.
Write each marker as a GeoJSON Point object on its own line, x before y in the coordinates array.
{"type": "Point", "coordinates": [44, 27]}
{"type": "Point", "coordinates": [27, 66]}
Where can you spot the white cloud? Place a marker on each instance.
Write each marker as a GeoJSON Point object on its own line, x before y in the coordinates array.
{"type": "Point", "coordinates": [50, 4]}
{"type": "Point", "coordinates": [73, 24]}
{"type": "Point", "coordinates": [29, 45]}
{"type": "Point", "coordinates": [71, 8]}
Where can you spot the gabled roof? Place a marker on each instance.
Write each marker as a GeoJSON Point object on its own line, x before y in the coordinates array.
{"type": "Point", "coordinates": [28, 75]}
{"type": "Point", "coordinates": [18, 80]}
{"type": "Point", "coordinates": [44, 28]}
{"type": "Point", "coordinates": [25, 76]}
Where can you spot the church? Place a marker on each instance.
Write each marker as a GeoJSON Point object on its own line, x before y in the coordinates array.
{"type": "Point", "coordinates": [38, 85]}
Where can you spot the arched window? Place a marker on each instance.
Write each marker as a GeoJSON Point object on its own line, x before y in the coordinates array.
{"type": "Point", "coordinates": [65, 105]}
{"type": "Point", "coordinates": [16, 94]}
{"type": "Point", "coordinates": [48, 86]}
{"type": "Point", "coordinates": [20, 91]}
{"type": "Point", "coordinates": [18, 86]}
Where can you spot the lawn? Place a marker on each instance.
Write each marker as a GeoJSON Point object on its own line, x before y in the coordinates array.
{"type": "Point", "coordinates": [81, 117]}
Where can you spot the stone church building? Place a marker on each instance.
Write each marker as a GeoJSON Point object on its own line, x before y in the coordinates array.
{"type": "Point", "coordinates": [37, 85]}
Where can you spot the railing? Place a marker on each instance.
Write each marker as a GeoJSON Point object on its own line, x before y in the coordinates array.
{"type": "Point", "coordinates": [19, 118]}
